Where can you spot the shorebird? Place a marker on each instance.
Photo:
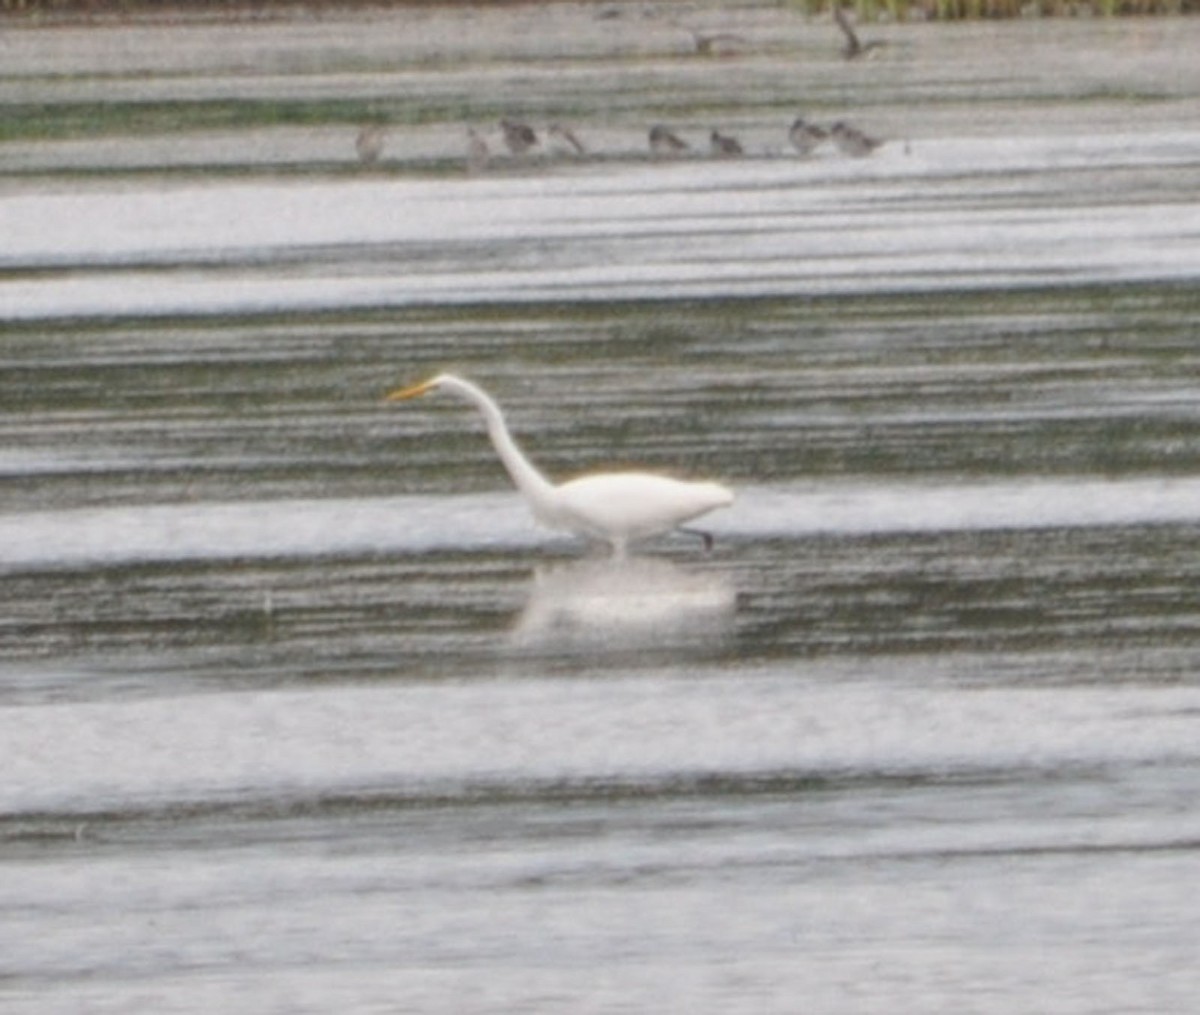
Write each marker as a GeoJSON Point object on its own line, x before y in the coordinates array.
{"type": "Point", "coordinates": [724, 145]}
{"type": "Point", "coordinates": [852, 141]}
{"type": "Point", "coordinates": [853, 48]}
{"type": "Point", "coordinates": [519, 137]}
{"type": "Point", "coordinates": [566, 139]}
{"type": "Point", "coordinates": [663, 142]}
{"type": "Point", "coordinates": [478, 153]}
{"type": "Point", "coordinates": [805, 136]}
{"type": "Point", "coordinates": [618, 508]}
{"type": "Point", "coordinates": [369, 143]}
{"type": "Point", "coordinates": [716, 43]}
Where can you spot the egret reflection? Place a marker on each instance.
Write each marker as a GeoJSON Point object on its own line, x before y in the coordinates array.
{"type": "Point", "coordinates": [624, 604]}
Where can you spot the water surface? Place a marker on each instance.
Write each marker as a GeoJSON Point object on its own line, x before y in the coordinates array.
{"type": "Point", "coordinates": [299, 711]}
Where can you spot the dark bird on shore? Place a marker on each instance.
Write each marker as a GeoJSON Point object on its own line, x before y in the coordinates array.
{"type": "Point", "coordinates": [566, 139]}
{"type": "Point", "coordinates": [852, 141]}
{"type": "Point", "coordinates": [854, 48]}
{"type": "Point", "coordinates": [715, 43]}
{"type": "Point", "coordinates": [369, 144]}
{"type": "Point", "coordinates": [805, 136]}
{"type": "Point", "coordinates": [664, 142]}
{"type": "Point", "coordinates": [724, 145]}
{"type": "Point", "coordinates": [519, 137]}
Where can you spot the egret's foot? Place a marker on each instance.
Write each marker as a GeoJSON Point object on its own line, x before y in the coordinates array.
{"type": "Point", "coordinates": [705, 537]}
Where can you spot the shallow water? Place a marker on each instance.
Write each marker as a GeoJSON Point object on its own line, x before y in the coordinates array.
{"type": "Point", "coordinates": [299, 711]}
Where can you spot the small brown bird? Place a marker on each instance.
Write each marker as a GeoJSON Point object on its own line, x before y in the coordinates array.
{"type": "Point", "coordinates": [566, 140]}
{"type": "Point", "coordinates": [369, 143]}
{"type": "Point", "coordinates": [805, 136]}
{"type": "Point", "coordinates": [719, 44]}
{"type": "Point", "coordinates": [852, 141]}
{"type": "Point", "coordinates": [664, 142]}
{"type": "Point", "coordinates": [724, 145]}
{"type": "Point", "coordinates": [519, 137]}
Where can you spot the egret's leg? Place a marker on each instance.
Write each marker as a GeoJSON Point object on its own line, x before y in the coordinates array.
{"type": "Point", "coordinates": [706, 537]}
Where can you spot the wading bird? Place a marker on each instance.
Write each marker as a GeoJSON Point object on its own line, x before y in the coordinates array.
{"type": "Point", "coordinates": [519, 137]}
{"type": "Point", "coordinates": [718, 44]}
{"type": "Point", "coordinates": [565, 140]}
{"type": "Point", "coordinates": [724, 144]}
{"type": "Point", "coordinates": [854, 49]}
{"type": "Point", "coordinates": [664, 142]}
{"type": "Point", "coordinates": [805, 136]}
{"type": "Point", "coordinates": [369, 143]}
{"type": "Point", "coordinates": [615, 507]}
{"type": "Point", "coordinates": [852, 141]}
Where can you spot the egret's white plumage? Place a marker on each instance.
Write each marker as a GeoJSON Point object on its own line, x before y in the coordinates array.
{"type": "Point", "coordinates": [617, 507]}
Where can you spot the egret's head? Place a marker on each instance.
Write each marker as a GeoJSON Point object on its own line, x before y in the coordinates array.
{"type": "Point", "coordinates": [416, 390]}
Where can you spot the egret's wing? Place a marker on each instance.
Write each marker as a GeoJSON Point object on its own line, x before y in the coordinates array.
{"type": "Point", "coordinates": [633, 504]}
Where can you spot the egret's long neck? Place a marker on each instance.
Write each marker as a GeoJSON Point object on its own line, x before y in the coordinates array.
{"type": "Point", "coordinates": [524, 473]}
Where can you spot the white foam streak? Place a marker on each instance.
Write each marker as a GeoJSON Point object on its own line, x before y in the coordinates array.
{"type": "Point", "coordinates": [309, 528]}
{"type": "Point", "coordinates": [761, 226]}
{"type": "Point", "coordinates": [421, 739]}
{"type": "Point", "coordinates": [1032, 504]}
{"type": "Point", "coordinates": [257, 529]}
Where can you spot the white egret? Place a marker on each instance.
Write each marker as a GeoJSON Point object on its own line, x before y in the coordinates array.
{"type": "Point", "coordinates": [616, 507]}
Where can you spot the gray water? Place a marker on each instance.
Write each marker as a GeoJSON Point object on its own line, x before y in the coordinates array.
{"type": "Point", "coordinates": [299, 710]}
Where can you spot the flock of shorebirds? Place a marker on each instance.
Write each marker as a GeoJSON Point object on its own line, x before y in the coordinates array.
{"type": "Point", "coordinates": [521, 141]}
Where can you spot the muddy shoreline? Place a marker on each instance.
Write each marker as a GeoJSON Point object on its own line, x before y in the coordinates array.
{"type": "Point", "coordinates": [38, 12]}
{"type": "Point", "coordinates": [83, 12]}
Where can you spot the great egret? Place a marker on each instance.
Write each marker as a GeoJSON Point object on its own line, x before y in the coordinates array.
{"type": "Point", "coordinates": [617, 507]}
